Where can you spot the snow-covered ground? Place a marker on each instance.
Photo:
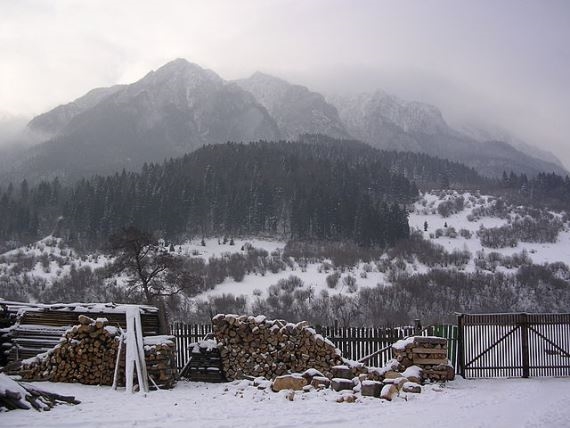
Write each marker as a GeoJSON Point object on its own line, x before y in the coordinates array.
{"type": "Point", "coordinates": [216, 247]}
{"type": "Point", "coordinates": [493, 403]}
{"type": "Point", "coordinates": [538, 252]}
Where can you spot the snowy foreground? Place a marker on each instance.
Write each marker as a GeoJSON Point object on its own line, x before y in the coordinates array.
{"type": "Point", "coordinates": [462, 403]}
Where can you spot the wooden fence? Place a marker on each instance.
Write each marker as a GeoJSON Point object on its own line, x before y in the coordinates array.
{"type": "Point", "coordinates": [186, 334]}
{"type": "Point", "coordinates": [514, 345]}
{"type": "Point", "coordinates": [355, 343]}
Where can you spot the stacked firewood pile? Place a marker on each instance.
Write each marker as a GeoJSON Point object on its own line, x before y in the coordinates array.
{"type": "Point", "coordinates": [87, 353]}
{"type": "Point", "coordinates": [255, 346]}
{"type": "Point", "coordinates": [427, 352]}
{"type": "Point", "coordinates": [160, 357]}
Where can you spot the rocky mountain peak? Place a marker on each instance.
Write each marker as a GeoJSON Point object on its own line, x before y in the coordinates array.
{"type": "Point", "coordinates": [296, 109]}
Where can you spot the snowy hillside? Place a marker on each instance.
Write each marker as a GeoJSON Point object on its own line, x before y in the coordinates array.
{"type": "Point", "coordinates": [45, 261]}
{"type": "Point", "coordinates": [460, 242]}
{"type": "Point", "coordinates": [426, 210]}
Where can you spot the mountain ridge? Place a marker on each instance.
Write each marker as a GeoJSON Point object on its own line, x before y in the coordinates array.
{"type": "Point", "coordinates": [182, 106]}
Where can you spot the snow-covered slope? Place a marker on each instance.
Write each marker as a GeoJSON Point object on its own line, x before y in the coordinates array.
{"type": "Point", "coordinates": [27, 271]}
{"type": "Point", "coordinates": [426, 210]}
{"type": "Point", "coordinates": [411, 116]}
{"type": "Point", "coordinates": [454, 230]}
{"type": "Point", "coordinates": [296, 109]}
{"type": "Point", "coordinates": [53, 121]}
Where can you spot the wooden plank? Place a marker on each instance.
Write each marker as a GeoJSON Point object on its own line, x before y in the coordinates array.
{"type": "Point", "coordinates": [434, 361]}
{"type": "Point", "coordinates": [429, 350]}
{"type": "Point", "coordinates": [525, 349]}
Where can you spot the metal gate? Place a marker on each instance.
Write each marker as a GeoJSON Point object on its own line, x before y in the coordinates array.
{"type": "Point", "coordinates": [514, 345]}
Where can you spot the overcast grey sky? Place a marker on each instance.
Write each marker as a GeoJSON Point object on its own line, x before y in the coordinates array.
{"type": "Point", "coordinates": [500, 61]}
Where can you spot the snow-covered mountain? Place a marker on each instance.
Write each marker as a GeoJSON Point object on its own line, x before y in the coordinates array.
{"type": "Point", "coordinates": [360, 110]}
{"type": "Point", "coordinates": [388, 122]}
{"type": "Point", "coordinates": [54, 121]}
{"type": "Point", "coordinates": [169, 112]}
{"type": "Point", "coordinates": [181, 106]}
{"type": "Point", "coordinates": [296, 109]}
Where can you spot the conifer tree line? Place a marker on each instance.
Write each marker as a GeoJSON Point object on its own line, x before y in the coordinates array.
{"type": "Point", "coordinates": [550, 189]}
{"type": "Point", "coordinates": [293, 190]}
{"type": "Point", "coordinates": [317, 188]}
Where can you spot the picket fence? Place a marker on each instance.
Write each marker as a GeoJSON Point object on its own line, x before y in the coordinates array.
{"type": "Point", "coordinates": [354, 342]}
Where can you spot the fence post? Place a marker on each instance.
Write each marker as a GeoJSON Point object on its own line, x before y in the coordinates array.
{"type": "Point", "coordinates": [524, 343]}
{"type": "Point", "coordinates": [460, 344]}
{"type": "Point", "coordinates": [417, 326]}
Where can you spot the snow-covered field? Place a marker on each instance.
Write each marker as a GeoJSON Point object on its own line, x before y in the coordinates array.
{"type": "Point", "coordinates": [493, 403]}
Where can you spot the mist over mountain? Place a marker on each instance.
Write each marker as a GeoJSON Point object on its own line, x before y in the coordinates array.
{"type": "Point", "coordinates": [485, 132]}
{"type": "Point", "coordinates": [388, 122]}
{"type": "Point", "coordinates": [182, 106]}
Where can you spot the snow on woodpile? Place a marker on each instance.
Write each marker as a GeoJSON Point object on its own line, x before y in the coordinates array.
{"type": "Point", "coordinates": [39, 327]}
{"type": "Point", "coordinates": [87, 354]}
{"type": "Point", "coordinates": [79, 307]}
{"type": "Point", "coordinates": [255, 346]}
{"type": "Point", "coordinates": [427, 352]}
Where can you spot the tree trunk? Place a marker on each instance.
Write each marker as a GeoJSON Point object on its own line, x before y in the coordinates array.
{"type": "Point", "coordinates": [163, 325]}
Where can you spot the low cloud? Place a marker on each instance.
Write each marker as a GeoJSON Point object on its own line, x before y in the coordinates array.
{"type": "Point", "coordinates": [503, 63]}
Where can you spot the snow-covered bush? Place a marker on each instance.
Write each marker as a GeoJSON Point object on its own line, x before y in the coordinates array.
{"type": "Point", "coordinates": [332, 279]}
{"type": "Point", "coordinates": [350, 282]}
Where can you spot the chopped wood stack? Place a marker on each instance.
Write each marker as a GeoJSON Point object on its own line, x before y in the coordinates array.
{"type": "Point", "coordinates": [160, 357]}
{"type": "Point", "coordinates": [426, 352]}
{"type": "Point", "coordinates": [205, 364]}
{"type": "Point", "coordinates": [87, 354]}
{"type": "Point", "coordinates": [255, 346]}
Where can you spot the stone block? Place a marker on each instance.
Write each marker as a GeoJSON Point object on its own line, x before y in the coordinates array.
{"type": "Point", "coordinates": [389, 392]}
{"type": "Point", "coordinates": [412, 387]}
{"type": "Point", "coordinates": [321, 382]}
{"type": "Point", "coordinates": [340, 384]}
{"type": "Point", "coordinates": [371, 388]}
{"type": "Point", "coordinates": [295, 382]}
{"type": "Point", "coordinates": [343, 372]}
